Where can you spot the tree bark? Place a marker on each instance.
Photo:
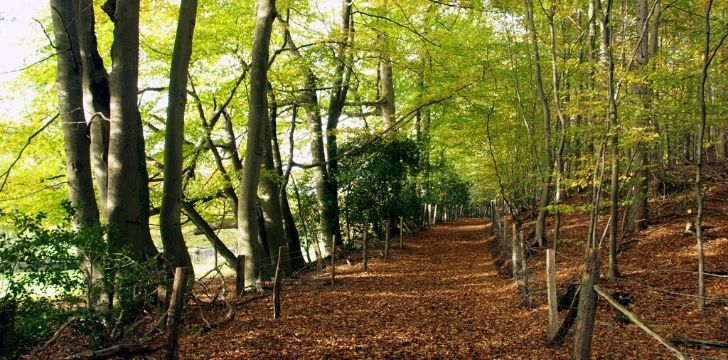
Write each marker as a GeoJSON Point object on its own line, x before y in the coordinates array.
{"type": "Point", "coordinates": [605, 25]}
{"type": "Point", "coordinates": [386, 91]}
{"type": "Point", "coordinates": [339, 91]}
{"type": "Point", "coordinates": [70, 97]}
{"type": "Point", "coordinates": [175, 249]}
{"type": "Point", "coordinates": [96, 98]}
{"type": "Point", "coordinates": [248, 244]}
{"type": "Point", "coordinates": [293, 238]}
{"type": "Point", "coordinates": [128, 192]}
{"type": "Point", "coordinates": [639, 205]}
{"type": "Point", "coordinates": [269, 195]}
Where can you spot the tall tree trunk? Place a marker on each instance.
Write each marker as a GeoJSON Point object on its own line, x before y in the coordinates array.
{"type": "Point", "coordinates": [340, 88]}
{"type": "Point", "coordinates": [96, 98]}
{"type": "Point", "coordinates": [289, 223]}
{"type": "Point", "coordinates": [608, 60]}
{"type": "Point", "coordinates": [175, 249]}
{"type": "Point", "coordinates": [560, 116]}
{"type": "Point", "coordinates": [707, 59]}
{"type": "Point", "coordinates": [269, 192]}
{"type": "Point", "coordinates": [70, 98]}
{"type": "Point", "coordinates": [546, 112]}
{"type": "Point", "coordinates": [128, 192]}
{"type": "Point", "coordinates": [386, 91]}
{"type": "Point", "coordinates": [639, 206]}
{"type": "Point", "coordinates": [258, 119]}
{"type": "Point", "coordinates": [327, 198]}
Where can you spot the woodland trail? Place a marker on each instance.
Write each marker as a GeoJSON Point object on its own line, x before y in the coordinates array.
{"type": "Point", "coordinates": [440, 297]}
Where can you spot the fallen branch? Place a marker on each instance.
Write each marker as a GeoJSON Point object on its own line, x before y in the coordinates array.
{"type": "Point", "coordinates": [116, 350]}
{"type": "Point", "coordinates": [55, 337]}
{"type": "Point", "coordinates": [635, 319]}
{"type": "Point", "coordinates": [697, 343]}
{"type": "Point", "coordinates": [256, 297]}
{"type": "Point", "coordinates": [228, 318]}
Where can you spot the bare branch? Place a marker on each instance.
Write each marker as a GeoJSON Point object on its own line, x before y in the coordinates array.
{"type": "Point", "coordinates": [6, 173]}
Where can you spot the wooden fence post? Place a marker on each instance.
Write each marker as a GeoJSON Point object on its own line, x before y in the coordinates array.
{"type": "Point", "coordinates": [240, 276]}
{"type": "Point", "coordinates": [175, 311]}
{"type": "Point", "coordinates": [504, 243]}
{"type": "Point", "coordinates": [364, 245]}
{"type": "Point", "coordinates": [587, 307]}
{"type": "Point", "coordinates": [514, 252]}
{"type": "Point", "coordinates": [317, 249]}
{"type": "Point", "coordinates": [333, 260]}
{"type": "Point", "coordinates": [551, 292]}
{"type": "Point", "coordinates": [386, 239]}
{"type": "Point", "coordinates": [401, 233]}
{"type": "Point", "coordinates": [277, 285]}
{"type": "Point", "coordinates": [524, 267]}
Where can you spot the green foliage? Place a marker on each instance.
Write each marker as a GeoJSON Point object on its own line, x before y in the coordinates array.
{"type": "Point", "coordinates": [51, 272]}
{"type": "Point", "coordinates": [380, 182]}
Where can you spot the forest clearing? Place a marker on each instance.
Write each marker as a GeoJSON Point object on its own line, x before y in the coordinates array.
{"type": "Point", "coordinates": [364, 179]}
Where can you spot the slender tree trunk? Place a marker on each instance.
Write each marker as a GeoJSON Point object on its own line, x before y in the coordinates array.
{"type": "Point", "coordinates": [639, 206]}
{"type": "Point", "coordinates": [96, 98]}
{"type": "Point", "coordinates": [70, 98]}
{"type": "Point", "coordinates": [546, 112]}
{"type": "Point", "coordinates": [707, 59]}
{"type": "Point", "coordinates": [248, 244]}
{"type": "Point", "coordinates": [325, 192]}
{"type": "Point", "coordinates": [128, 192]}
{"type": "Point", "coordinates": [339, 91]}
{"type": "Point", "coordinates": [608, 60]}
{"type": "Point", "coordinates": [562, 122]}
{"type": "Point", "coordinates": [289, 224]}
{"type": "Point", "coordinates": [175, 249]}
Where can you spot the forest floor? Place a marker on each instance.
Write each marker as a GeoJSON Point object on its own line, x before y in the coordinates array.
{"type": "Point", "coordinates": [443, 297]}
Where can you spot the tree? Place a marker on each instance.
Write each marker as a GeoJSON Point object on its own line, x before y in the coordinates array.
{"type": "Point", "coordinates": [639, 206]}
{"type": "Point", "coordinates": [175, 249]}
{"type": "Point", "coordinates": [70, 95]}
{"type": "Point", "coordinates": [128, 192]}
{"type": "Point", "coordinates": [248, 239]}
{"type": "Point", "coordinates": [545, 198]}
{"type": "Point", "coordinates": [96, 98]}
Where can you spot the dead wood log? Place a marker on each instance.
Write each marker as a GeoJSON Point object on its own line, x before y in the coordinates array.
{"type": "Point", "coordinates": [55, 337]}
{"type": "Point", "coordinates": [116, 350]}
{"type": "Point", "coordinates": [697, 343]}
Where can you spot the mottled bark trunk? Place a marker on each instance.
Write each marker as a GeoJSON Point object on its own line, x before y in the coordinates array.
{"type": "Point", "coordinates": [175, 249]}
{"type": "Point", "coordinates": [248, 244]}
{"type": "Point", "coordinates": [70, 98]}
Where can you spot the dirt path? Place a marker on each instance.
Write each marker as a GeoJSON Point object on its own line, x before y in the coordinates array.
{"type": "Point", "coordinates": [440, 297]}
